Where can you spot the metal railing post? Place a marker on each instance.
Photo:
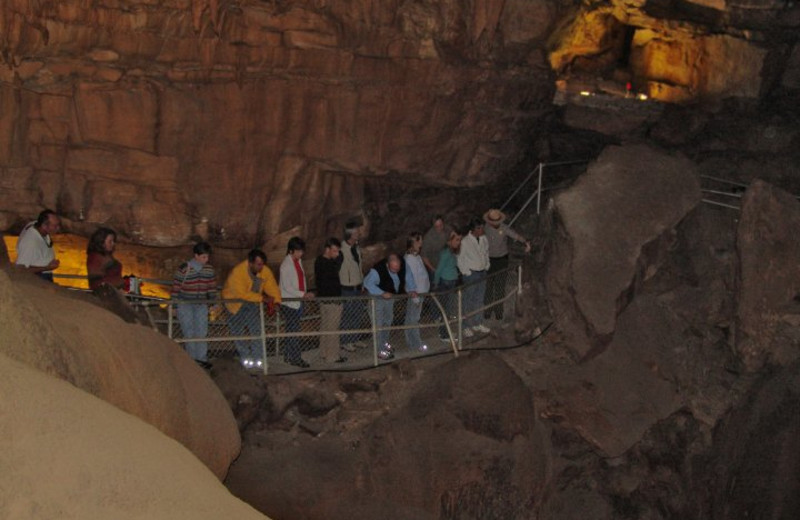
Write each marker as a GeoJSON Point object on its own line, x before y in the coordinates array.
{"type": "Point", "coordinates": [460, 318]}
{"type": "Point", "coordinates": [277, 332]}
{"type": "Point", "coordinates": [539, 190]}
{"type": "Point", "coordinates": [263, 337]}
{"type": "Point", "coordinates": [170, 308]}
{"type": "Point", "coordinates": [374, 316]}
{"type": "Point", "coordinates": [519, 279]}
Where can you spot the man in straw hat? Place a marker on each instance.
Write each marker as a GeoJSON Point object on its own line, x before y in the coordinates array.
{"type": "Point", "coordinates": [497, 234]}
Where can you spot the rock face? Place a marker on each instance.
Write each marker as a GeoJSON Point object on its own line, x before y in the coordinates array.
{"type": "Point", "coordinates": [752, 471]}
{"type": "Point", "coordinates": [768, 313]}
{"type": "Point", "coordinates": [457, 440]}
{"type": "Point", "coordinates": [60, 442]}
{"type": "Point", "coordinates": [259, 116]}
{"type": "Point", "coordinates": [136, 369]}
{"type": "Point", "coordinates": [610, 232]}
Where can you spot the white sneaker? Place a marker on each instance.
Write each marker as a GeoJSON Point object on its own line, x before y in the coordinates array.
{"type": "Point", "coordinates": [423, 348]}
{"type": "Point", "coordinates": [259, 363]}
{"type": "Point", "coordinates": [467, 333]}
{"type": "Point", "coordinates": [482, 329]}
{"type": "Point", "coordinates": [248, 363]}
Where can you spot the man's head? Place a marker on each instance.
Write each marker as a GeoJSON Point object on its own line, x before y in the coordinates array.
{"type": "Point", "coordinates": [296, 248]}
{"type": "Point", "coordinates": [48, 222]}
{"type": "Point", "coordinates": [475, 227]}
{"type": "Point", "coordinates": [332, 246]}
{"type": "Point", "coordinates": [393, 262]}
{"type": "Point", "coordinates": [351, 233]}
{"type": "Point", "coordinates": [256, 259]}
{"type": "Point", "coordinates": [202, 252]}
{"type": "Point", "coordinates": [438, 223]}
{"type": "Point", "coordinates": [494, 217]}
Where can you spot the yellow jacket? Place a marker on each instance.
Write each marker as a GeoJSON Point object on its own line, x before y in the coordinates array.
{"type": "Point", "coordinates": [238, 286]}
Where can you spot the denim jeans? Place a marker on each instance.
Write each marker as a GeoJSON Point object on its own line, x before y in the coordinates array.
{"type": "Point", "coordinates": [384, 315]}
{"type": "Point", "coordinates": [193, 318]}
{"type": "Point", "coordinates": [247, 322]}
{"type": "Point", "coordinates": [291, 346]}
{"type": "Point", "coordinates": [353, 314]}
{"type": "Point", "coordinates": [413, 311]}
{"type": "Point", "coordinates": [474, 292]}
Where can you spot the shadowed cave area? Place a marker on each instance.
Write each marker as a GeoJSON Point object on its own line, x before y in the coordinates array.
{"type": "Point", "coordinates": [650, 365]}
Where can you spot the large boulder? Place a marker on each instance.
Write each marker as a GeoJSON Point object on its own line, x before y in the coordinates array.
{"type": "Point", "coordinates": [458, 440]}
{"type": "Point", "coordinates": [610, 232]}
{"type": "Point", "coordinates": [768, 311]}
{"type": "Point", "coordinates": [67, 454]}
{"type": "Point", "coordinates": [66, 335]}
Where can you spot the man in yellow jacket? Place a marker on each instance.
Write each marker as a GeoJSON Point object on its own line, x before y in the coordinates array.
{"type": "Point", "coordinates": [252, 282]}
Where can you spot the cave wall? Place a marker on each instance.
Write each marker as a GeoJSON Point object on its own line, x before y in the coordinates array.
{"type": "Point", "coordinates": [262, 117]}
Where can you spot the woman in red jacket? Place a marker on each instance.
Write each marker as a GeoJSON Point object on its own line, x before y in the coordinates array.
{"type": "Point", "coordinates": [101, 265]}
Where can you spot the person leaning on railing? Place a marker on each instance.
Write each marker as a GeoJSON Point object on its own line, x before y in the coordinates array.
{"type": "Point", "coordinates": [193, 284]}
{"type": "Point", "coordinates": [35, 245]}
{"type": "Point", "coordinates": [253, 282]}
{"type": "Point", "coordinates": [387, 278]}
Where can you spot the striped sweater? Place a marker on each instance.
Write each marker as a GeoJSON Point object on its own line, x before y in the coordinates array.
{"type": "Point", "coordinates": [191, 284]}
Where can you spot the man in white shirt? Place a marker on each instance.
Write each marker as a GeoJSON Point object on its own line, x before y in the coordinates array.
{"type": "Point", "coordinates": [35, 245]}
{"type": "Point", "coordinates": [473, 262]}
{"type": "Point", "coordinates": [294, 289]}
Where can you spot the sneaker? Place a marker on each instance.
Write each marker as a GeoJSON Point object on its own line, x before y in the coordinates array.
{"type": "Point", "coordinates": [388, 348]}
{"type": "Point", "coordinates": [445, 339]}
{"type": "Point", "coordinates": [258, 363]}
{"type": "Point", "coordinates": [361, 344]}
{"type": "Point", "coordinates": [423, 348]}
{"type": "Point", "coordinates": [385, 355]}
{"type": "Point", "coordinates": [349, 347]}
{"type": "Point", "coordinates": [248, 363]}
{"type": "Point", "coordinates": [483, 329]}
{"type": "Point", "coordinates": [467, 333]}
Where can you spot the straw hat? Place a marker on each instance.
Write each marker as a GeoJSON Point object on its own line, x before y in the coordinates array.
{"type": "Point", "coordinates": [494, 216]}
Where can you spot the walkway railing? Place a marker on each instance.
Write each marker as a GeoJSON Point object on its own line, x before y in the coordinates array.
{"type": "Point", "coordinates": [330, 327]}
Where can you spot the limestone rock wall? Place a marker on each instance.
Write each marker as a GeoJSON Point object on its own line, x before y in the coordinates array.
{"type": "Point", "coordinates": [260, 116]}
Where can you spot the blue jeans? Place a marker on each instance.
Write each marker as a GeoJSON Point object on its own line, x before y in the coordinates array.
{"type": "Point", "coordinates": [384, 315]}
{"type": "Point", "coordinates": [474, 292]}
{"type": "Point", "coordinates": [448, 300]}
{"type": "Point", "coordinates": [291, 346]}
{"type": "Point", "coordinates": [413, 311]}
{"type": "Point", "coordinates": [193, 318]}
{"type": "Point", "coordinates": [247, 322]}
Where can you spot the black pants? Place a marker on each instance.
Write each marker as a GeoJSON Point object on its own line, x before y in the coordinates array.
{"type": "Point", "coordinates": [495, 286]}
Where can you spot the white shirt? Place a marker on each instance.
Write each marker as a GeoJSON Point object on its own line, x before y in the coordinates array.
{"type": "Point", "coordinates": [474, 255]}
{"type": "Point", "coordinates": [415, 265]}
{"type": "Point", "coordinates": [289, 283]}
{"type": "Point", "coordinates": [33, 249]}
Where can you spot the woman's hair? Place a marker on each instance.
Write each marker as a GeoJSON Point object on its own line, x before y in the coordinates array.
{"type": "Point", "coordinates": [97, 240]}
{"type": "Point", "coordinates": [454, 234]}
{"type": "Point", "coordinates": [412, 238]}
{"type": "Point", "coordinates": [202, 248]}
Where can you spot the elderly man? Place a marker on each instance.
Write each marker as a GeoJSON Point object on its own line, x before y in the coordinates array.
{"type": "Point", "coordinates": [35, 245]}
{"type": "Point", "coordinates": [385, 280]}
{"type": "Point", "coordinates": [251, 281]}
{"type": "Point", "coordinates": [497, 234]}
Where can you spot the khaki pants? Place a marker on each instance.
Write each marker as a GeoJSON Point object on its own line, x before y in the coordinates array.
{"type": "Point", "coordinates": [330, 314]}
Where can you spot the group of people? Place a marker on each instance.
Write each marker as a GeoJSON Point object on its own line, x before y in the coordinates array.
{"type": "Point", "coordinates": [438, 260]}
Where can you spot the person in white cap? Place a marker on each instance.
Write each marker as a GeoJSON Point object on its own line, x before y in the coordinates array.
{"type": "Point", "coordinates": [497, 234]}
